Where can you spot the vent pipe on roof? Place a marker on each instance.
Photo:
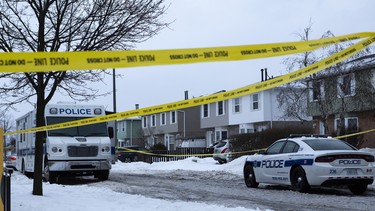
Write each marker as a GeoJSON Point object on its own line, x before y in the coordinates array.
{"type": "Point", "coordinates": [186, 95]}
{"type": "Point", "coordinates": [136, 106]}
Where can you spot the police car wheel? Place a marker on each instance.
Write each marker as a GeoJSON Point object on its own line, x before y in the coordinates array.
{"type": "Point", "coordinates": [249, 176]}
{"type": "Point", "coordinates": [358, 189]}
{"type": "Point", "coordinates": [299, 181]}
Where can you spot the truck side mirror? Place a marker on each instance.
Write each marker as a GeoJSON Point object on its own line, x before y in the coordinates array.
{"type": "Point", "coordinates": [110, 132]}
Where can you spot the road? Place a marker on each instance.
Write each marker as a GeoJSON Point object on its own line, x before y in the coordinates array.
{"type": "Point", "coordinates": [222, 188]}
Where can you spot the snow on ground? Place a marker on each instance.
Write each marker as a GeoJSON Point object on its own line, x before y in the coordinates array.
{"type": "Point", "coordinates": [83, 197]}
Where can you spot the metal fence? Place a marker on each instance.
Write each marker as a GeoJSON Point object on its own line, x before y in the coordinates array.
{"type": "Point", "coordinates": [173, 155]}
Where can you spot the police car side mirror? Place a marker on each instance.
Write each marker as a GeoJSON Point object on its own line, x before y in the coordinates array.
{"type": "Point", "coordinates": [262, 152]}
{"type": "Point", "coordinates": [110, 132]}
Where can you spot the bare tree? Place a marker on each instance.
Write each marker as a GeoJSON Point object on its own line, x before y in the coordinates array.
{"type": "Point", "coordinates": [6, 122]}
{"type": "Point", "coordinates": [69, 25]}
{"type": "Point", "coordinates": [293, 98]}
{"type": "Point", "coordinates": [326, 89]}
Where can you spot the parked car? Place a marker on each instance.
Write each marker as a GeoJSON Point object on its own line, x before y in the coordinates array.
{"type": "Point", "coordinates": [11, 161]}
{"type": "Point", "coordinates": [126, 154]}
{"type": "Point", "coordinates": [222, 151]}
{"type": "Point", "coordinates": [306, 161]}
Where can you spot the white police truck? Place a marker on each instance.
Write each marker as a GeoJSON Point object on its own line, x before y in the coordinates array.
{"type": "Point", "coordinates": [75, 151]}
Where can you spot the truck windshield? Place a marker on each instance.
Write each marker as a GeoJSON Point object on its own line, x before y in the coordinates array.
{"type": "Point", "coordinates": [98, 129]}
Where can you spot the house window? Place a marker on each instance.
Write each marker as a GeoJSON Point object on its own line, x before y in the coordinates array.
{"type": "Point", "coordinates": [351, 124]}
{"type": "Point", "coordinates": [221, 135]}
{"type": "Point", "coordinates": [236, 105]}
{"type": "Point", "coordinates": [254, 101]}
{"type": "Point", "coordinates": [205, 111]}
{"type": "Point", "coordinates": [316, 90]}
{"type": "Point", "coordinates": [220, 108]}
{"type": "Point", "coordinates": [169, 142]}
{"type": "Point", "coordinates": [173, 117]}
{"type": "Point", "coordinates": [144, 122]}
{"type": "Point", "coordinates": [346, 85]}
{"type": "Point", "coordinates": [153, 120]}
{"type": "Point", "coordinates": [163, 119]}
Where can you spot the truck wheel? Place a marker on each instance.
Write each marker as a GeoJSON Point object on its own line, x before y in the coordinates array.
{"type": "Point", "coordinates": [103, 175]}
{"type": "Point", "coordinates": [23, 167]}
{"type": "Point", "coordinates": [249, 176]}
{"type": "Point", "coordinates": [299, 181]}
{"type": "Point", "coordinates": [50, 176]}
{"type": "Point", "coordinates": [358, 189]}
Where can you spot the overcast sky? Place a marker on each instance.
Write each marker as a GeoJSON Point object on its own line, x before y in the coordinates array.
{"type": "Point", "coordinates": [210, 23]}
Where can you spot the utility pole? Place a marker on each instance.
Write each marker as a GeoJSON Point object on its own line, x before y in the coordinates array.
{"type": "Point", "coordinates": [114, 110]}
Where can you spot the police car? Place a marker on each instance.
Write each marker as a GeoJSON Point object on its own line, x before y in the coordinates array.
{"type": "Point", "coordinates": [305, 161]}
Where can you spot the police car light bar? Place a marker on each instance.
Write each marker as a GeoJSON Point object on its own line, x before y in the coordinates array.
{"type": "Point", "coordinates": [308, 135]}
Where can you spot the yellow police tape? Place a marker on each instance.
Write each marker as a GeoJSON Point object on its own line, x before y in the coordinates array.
{"type": "Point", "coordinates": [316, 67]}
{"type": "Point", "coordinates": [85, 60]}
{"type": "Point", "coordinates": [355, 134]}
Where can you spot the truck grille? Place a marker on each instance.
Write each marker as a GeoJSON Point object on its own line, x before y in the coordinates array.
{"type": "Point", "coordinates": [82, 151]}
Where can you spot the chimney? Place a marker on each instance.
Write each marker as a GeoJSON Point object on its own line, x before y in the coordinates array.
{"type": "Point", "coordinates": [262, 77]}
{"type": "Point", "coordinates": [186, 95]}
{"type": "Point", "coordinates": [136, 106]}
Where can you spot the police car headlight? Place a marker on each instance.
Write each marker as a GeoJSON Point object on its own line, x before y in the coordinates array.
{"type": "Point", "coordinates": [54, 149]}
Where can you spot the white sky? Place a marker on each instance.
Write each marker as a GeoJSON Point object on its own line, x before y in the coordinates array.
{"type": "Point", "coordinates": [211, 23]}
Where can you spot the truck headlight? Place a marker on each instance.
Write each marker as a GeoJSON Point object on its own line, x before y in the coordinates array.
{"type": "Point", "coordinates": [106, 149]}
{"type": "Point", "coordinates": [54, 149]}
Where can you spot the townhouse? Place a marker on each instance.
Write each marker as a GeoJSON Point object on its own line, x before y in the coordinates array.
{"type": "Point", "coordinates": [343, 102]}
{"type": "Point", "coordinates": [246, 114]}
{"type": "Point", "coordinates": [172, 128]}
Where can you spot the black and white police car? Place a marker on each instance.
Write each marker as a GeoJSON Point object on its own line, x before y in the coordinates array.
{"type": "Point", "coordinates": [305, 161]}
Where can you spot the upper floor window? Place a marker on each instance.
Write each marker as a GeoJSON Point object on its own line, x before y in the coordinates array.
{"type": "Point", "coordinates": [254, 105]}
{"type": "Point", "coordinates": [346, 85]}
{"type": "Point", "coordinates": [153, 120]}
{"type": "Point", "coordinates": [236, 105]}
{"type": "Point", "coordinates": [163, 119]}
{"type": "Point", "coordinates": [316, 90]}
{"type": "Point", "coordinates": [173, 117]}
{"type": "Point", "coordinates": [144, 121]}
{"type": "Point", "coordinates": [205, 111]}
{"type": "Point", "coordinates": [123, 125]}
{"type": "Point", "coordinates": [220, 108]}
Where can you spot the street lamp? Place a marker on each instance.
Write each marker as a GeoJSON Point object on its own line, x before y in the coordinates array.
{"type": "Point", "coordinates": [184, 122]}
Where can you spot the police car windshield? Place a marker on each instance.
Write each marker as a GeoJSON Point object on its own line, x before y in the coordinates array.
{"type": "Point", "coordinates": [98, 129]}
{"type": "Point", "coordinates": [328, 144]}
